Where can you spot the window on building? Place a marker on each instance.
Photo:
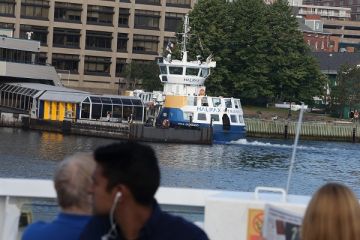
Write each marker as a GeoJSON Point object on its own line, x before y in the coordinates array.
{"type": "Point", "coordinates": [173, 21]}
{"type": "Point", "coordinates": [179, 3]}
{"type": "Point", "coordinates": [38, 9]}
{"type": "Point", "coordinates": [67, 38]}
{"type": "Point", "coordinates": [123, 17]}
{"type": "Point", "coordinates": [97, 65]}
{"type": "Point", "coordinates": [145, 44]}
{"type": "Point", "coordinates": [100, 15]}
{"type": "Point", "coordinates": [120, 66]}
{"type": "Point", "coordinates": [98, 40]}
{"type": "Point", "coordinates": [67, 12]}
{"type": "Point", "coordinates": [67, 62]}
{"type": "Point", "coordinates": [150, 2]}
{"type": "Point", "coordinates": [7, 25]}
{"type": "Point", "coordinates": [42, 58]}
{"type": "Point", "coordinates": [14, 55]}
{"type": "Point", "coordinates": [38, 33]}
{"type": "Point", "coordinates": [122, 42]}
{"type": "Point", "coordinates": [146, 19]}
{"type": "Point", "coordinates": [7, 8]}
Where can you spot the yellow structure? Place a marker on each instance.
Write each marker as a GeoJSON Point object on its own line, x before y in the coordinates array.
{"type": "Point", "coordinates": [57, 111]}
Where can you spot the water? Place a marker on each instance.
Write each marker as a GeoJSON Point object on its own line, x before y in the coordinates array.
{"type": "Point", "coordinates": [239, 166]}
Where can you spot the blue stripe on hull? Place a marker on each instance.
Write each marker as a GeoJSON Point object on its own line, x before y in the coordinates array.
{"type": "Point", "coordinates": [223, 136]}
{"type": "Point", "coordinates": [175, 117]}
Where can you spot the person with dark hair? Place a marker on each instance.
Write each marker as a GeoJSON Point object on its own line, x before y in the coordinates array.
{"type": "Point", "coordinates": [72, 180]}
{"type": "Point", "coordinates": [126, 179]}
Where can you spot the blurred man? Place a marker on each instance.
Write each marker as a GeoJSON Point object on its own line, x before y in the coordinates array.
{"type": "Point", "coordinates": [126, 178]}
{"type": "Point", "coordinates": [72, 180]}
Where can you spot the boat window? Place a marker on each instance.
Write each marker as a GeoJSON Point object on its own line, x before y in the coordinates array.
{"type": "Point", "coordinates": [228, 103]}
{"type": "Point", "coordinates": [106, 108]}
{"type": "Point", "coordinates": [191, 101]}
{"type": "Point", "coordinates": [233, 118]}
{"type": "Point", "coordinates": [216, 102]}
{"type": "Point", "coordinates": [188, 116]}
{"type": "Point", "coordinates": [163, 70]}
{"type": "Point", "coordinates": [204, 102]}
{"type": "Point", "coordinates": [237, 103]}
{"type": "Point", "coordinates": [202, 116]}
{"type": "Point", "coordinates": [215, 117]}
{"type": "Point", "coordinates": [204, 72]}
{"type": "Point", "coordinates": [176, 70]}
{"type": "Point", "coordinates": [192, 71]}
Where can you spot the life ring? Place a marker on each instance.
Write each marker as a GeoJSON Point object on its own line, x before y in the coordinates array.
{"type": "Point", "coordinates": [166, 123]}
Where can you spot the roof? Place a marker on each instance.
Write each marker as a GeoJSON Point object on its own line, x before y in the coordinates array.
{"type": "Point", "coordinates": [43, 87]}
{"type": "Point", "coordinates": [332, 62]}
{"type": "Point", "coordinates": [63, 96]}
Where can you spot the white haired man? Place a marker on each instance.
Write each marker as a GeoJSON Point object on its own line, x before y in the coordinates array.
{"type": "Point", "coordinates": [72, 180]}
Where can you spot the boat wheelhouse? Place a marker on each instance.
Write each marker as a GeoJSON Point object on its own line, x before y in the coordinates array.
{"type": "Point", "coordinates": [186, 103]}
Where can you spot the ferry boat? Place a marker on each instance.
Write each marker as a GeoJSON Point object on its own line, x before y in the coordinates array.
{"type": "Point", "coordinates": [186, 104]}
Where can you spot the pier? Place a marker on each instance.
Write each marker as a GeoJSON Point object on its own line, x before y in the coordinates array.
{"type": "Point", "coordinates": [334, 131]}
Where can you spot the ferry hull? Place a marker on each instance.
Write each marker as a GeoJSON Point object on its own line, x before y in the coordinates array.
{"type": "Point", "coordinates": [224, 136]}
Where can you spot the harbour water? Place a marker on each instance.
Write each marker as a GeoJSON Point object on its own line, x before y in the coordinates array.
{"type": "Point", "coordinates": [239, 166]}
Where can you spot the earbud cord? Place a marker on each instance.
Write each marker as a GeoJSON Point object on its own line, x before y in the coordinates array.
{"type": "Point", "coordinates": [112, 233]}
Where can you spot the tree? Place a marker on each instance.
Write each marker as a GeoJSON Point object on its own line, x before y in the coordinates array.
{"type": "Point", "coordinates": [346, 92]}
{"type": "Point", "coordinates": [146, 74]}
{"type": "Point", "coordinates": [260, 53]}
{"type": "Point", "coordinates": [294, 73]}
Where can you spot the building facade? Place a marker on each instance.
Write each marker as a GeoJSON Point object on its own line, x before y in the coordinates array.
{"type": "Point", "coordinates": [353, 4]}
{"type": "Point", "coordinates": [90, 42]}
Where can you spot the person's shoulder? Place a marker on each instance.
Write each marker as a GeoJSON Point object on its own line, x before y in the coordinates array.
{"type": "Point", "coordinates": [96, 228]}
{"type": "Point", "coordinates": [181, 228]}
{"type": "Point", "coordinates": [34, 230]}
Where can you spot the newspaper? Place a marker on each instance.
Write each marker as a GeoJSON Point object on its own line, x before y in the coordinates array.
{"type": "Point", "coordinates": [281, 224]}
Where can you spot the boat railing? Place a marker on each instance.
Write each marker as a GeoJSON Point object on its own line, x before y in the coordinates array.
{"type": "Point", "coordinates": [222, 214]}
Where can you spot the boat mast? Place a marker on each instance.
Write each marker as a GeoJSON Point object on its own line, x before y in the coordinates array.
{"type": "Point", "coordinates": [185, 38]}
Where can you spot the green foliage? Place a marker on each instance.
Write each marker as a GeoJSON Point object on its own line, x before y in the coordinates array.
{"type": "Point", "coordinates": [346, 91]}
{"type": "Point", "coordinates": [259, 50]}
{"type": "Point", "coordinates": [146, 74]}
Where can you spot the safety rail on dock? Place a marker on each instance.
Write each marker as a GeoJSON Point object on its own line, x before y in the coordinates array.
{"type": "Point", "coordinates": [225, 214]}
{"type": "Point", "coordinates": [313, 130]}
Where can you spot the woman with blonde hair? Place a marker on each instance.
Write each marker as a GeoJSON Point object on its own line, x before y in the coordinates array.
{"type": "Point", "coordinates": [332, 214]}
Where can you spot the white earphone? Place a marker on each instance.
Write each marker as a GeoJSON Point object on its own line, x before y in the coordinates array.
{"type": "Point", "coordinates": [112, 233]}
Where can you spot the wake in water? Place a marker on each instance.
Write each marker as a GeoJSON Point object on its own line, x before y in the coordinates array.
{"type": "Point", "coordinates": [267, 144]}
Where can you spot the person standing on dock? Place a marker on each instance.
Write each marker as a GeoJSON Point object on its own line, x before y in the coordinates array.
{"type": "Point", "coordinates": [126, 177]}
{"type": "Point", "coordinates": [72, 180]}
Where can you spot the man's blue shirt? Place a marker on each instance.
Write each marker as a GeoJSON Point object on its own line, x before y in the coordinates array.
{"type": "Point", "coordinates": [65, 226]}
{"type": "Point", "coordinates": [160, 226]}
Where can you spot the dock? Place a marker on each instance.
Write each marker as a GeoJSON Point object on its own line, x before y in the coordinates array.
{"type": "Point", "coordinates": [115, 130]}
{"type": "Point", "coordinates": [327, 131]}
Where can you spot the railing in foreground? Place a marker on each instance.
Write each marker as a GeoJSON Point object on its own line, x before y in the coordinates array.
{"type": "Point", "coordinates": [227, 214]}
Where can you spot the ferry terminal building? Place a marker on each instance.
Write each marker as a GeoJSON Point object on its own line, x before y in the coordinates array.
{"type": "Point", "coordinates": [89, 43]}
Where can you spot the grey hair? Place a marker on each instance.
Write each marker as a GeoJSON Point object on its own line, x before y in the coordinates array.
{"type": "Point", "coordinates": [72, 180]}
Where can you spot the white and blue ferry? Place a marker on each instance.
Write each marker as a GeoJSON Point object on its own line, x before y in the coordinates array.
{"type": "Point", "coordinates": [186, 103]}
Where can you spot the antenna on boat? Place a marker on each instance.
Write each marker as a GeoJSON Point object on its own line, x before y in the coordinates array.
{"type": "Point", "coordinates": [292, 161]}
{"type": "Point", "coordinates": [185, 38]}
